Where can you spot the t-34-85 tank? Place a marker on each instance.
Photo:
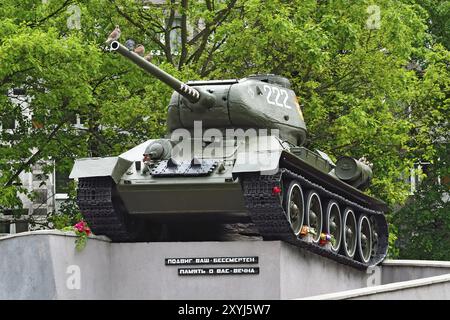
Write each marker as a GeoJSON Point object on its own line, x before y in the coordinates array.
{"type": "Point", "coordinates": [234, 154]}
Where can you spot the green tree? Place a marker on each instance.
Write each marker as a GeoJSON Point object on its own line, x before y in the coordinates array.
{"type": "Point", "coordinates": [423, 224]}
{"type": "Point", "coordinates": [438, 13]}
{"type": "Point", "coordinates": [53, 67]}
{"type": "Point", "coordinates": [352, 80]}
{"type": "Point", "coordinates": [368, 87]}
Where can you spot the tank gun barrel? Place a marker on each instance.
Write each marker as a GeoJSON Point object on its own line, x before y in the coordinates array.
{"type": "Point", "coordinates": [186, 91]}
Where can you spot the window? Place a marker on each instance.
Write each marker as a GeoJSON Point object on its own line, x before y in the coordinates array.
{"type": "Point", "coordinates": [41, 196]}
{"type": "Point", "coordinates": [40, 212]}
{"type": "Point", "coordinates": [15, 212]}
{"type": "Point", "coordinates": [8, 123]}
{"type": "Point", "coordinates": [62, 180]}
{"type": "Point", "coordinates": [19, 92]}
{"type": "Point", "coordinates": [38, 166]}
{"type": "Point", "coordinates": [415, 177]}
{"type": "Point", "coordinates": [72, 118]}
{"type": "Point", "coordinates": [4, 227]}
{"type": "Point", "coordinates": [21, 227]}
{"type": "Point", "coordinates": [40, 177]}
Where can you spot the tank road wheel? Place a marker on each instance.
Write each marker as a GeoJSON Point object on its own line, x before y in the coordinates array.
{"type": "Point", "coordinates": [364, 239]}
{"type": "Point", "coordinates": [294, 207]}
{"type": "Point", "coordinates": [314, 210]}
{"type": "Point", "coordinates": [350, 233]}
{"type": "Point", "coordinates": [334, 225]}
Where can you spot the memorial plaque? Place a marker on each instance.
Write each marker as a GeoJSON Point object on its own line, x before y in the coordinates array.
{"type": "Point", "coordinates": [217, 271]}
{"type": "Point", "coordinates": [211, 260]}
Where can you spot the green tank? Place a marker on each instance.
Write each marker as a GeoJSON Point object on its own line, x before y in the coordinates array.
{"type": "Point", "coordinates": [233, 156]}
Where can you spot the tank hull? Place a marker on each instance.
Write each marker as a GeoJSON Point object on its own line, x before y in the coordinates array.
{"type": "Point", "coordinates": [250, 186]}
{"type": "Point", "coordinates": [184, 198]}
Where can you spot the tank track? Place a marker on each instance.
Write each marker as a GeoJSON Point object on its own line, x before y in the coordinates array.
{"type": "Point", "coordinates": [102, 209]}
{"type": "Point", "coordinates": [267, 212]}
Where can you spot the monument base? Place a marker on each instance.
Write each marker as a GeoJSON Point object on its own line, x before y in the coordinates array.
{"type": "Point", "coordinates": [45, 265]}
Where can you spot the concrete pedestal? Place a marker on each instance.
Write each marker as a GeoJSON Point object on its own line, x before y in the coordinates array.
{"type": "Point", "coordinates": [45, 265]}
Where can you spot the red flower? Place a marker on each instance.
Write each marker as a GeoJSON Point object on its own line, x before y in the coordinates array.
{"type": "Point", "coordinates": [82, 227]}
{"type": "Point", "coordinates": [79, 226]}
{"type": "Point", "coordinates": [276, 190]}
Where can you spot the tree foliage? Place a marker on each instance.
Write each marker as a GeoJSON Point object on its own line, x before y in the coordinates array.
{"type": "Point", "coordinates": [424, 222]}
{"type": "Point", "coordinates": [367, 87]}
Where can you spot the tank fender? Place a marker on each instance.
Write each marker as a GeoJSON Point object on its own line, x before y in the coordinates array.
{"type": "Point", "coordinates": [260, 154]}
{"type": "Point", "coordinates": [137, 152]}
{"type": "Point", "coordinates": [114, 167]}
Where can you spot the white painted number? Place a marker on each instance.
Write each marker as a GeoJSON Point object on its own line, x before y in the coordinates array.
{"type": "Point", "coordinates": [279, 94]}
{"type": "Point", "coordinates": [286, 97]}
{"type": "Point", "coordinates": [275, 89]}
{"type": "Point", "coordinates": [269, 93]}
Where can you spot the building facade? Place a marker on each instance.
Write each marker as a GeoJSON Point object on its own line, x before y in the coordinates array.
{"type": "Point", "coordinates": [46, 190]}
